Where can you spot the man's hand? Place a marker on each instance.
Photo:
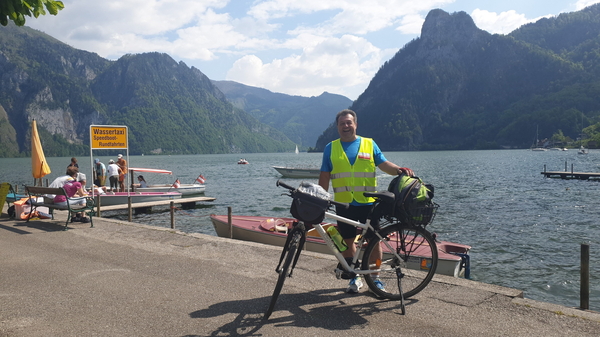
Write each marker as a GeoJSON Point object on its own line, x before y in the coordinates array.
{"type": "Point", "coordinates": [406, 171]}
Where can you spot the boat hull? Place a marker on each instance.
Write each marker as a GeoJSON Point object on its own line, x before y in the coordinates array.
{"type": "Point", "coordinates": [184, 189]}
{"type": "Point", "coordinates": [295, 172]}
{"type": "Point", "coordinates": [120, 198]}
{"type": "Point", "coordinates": [254, 228]}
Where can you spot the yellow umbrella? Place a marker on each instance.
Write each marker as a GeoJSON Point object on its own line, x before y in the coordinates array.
{"type": "Point", "coordinates": [39, 165]}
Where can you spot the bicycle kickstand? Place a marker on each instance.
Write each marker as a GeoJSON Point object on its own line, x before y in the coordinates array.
{"type": "Point", "coordinates": [400, 275]}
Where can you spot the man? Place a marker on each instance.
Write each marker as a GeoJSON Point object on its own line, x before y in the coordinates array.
{"type": "Point", "coordinates": [122, 163]}
{"type": "Point", "coordinates": [113, 172]}
{"type": "Point", "coordinates": [100, 172]}
{"type": "Point", "coordinates": [73, 162]}
{"type": "Point", "coordinates": [350, 163]}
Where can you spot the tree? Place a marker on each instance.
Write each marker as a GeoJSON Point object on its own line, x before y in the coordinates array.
{"type": "Point", "coordinates": [16, 10]}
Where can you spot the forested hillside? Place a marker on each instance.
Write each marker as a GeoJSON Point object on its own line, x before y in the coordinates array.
{"type": "Point", "coordinates": [459, 87]}
{"type": "Point", "coordinates": [302, 119]}
{"type": "Point", "coordinates": [168, 107]}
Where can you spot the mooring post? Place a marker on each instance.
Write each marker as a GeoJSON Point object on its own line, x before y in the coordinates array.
{"type": "Point", "coordinates": [571, 168]}
{"type": "Point", "coordinates": [98, 205]}
{"type": "Point", "coordinates": [565, 166]}
{"type": "Point", "coordinates": [584, 294]}
{"type": "Point", "coordinates": [229, 222]}
{"type": "Point", "coordinates": [544, 168]}
{"type": "Point", "coordinates": [172, 214]}
{"type": "Point", "coordinates": [130, 217]}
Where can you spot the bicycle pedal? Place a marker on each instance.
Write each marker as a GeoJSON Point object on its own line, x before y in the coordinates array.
{"type": "Point", "coordinates": [344, 274]}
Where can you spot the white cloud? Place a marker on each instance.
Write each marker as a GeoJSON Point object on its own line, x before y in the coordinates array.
{"type": "Point", "coordinates": [581, 4]}
{"type": "Point", "coordinates": [502, 23]}
{"type": "Point", "coordinates": [357, 17]}
{"type": "Point", "coordinates": [125, 26]}
{"type": "Point", "coordinates": [335, 65]}
{"type": "Point", "coordinates": [411, 24]}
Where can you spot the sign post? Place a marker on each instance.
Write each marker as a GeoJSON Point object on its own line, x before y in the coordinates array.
{"type": "Point", "coordinates": [108, 137]}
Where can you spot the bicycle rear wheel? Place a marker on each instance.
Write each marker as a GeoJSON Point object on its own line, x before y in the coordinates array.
{"type": "Point", "coordinates": [284, 271]}
{"type": "Point", "coordinates": [416, 267]}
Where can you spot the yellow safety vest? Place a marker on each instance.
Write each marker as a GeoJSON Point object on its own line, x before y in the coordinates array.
{"type": "Point", "coordinates": [351, 181]}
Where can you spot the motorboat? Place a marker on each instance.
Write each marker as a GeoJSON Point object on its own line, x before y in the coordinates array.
{"type": "Point", "coordinates": [197, 187]}
{"type": "Point", "coordinates": [453, 258]}
{"type": "Point", "coordinates": [184, 189]}
{"type": "Point", "coordinates": [243, 162]}
{"type": "Point", "coordinates": [120, 198]}
{"type": "Point", "coordinates": [298, 172]}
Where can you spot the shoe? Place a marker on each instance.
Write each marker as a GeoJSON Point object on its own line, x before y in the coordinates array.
{"type": "Point", "coordinates": [378, 284]}
{"type": "Point", "coordinates": [354, 285]}
{"type": "Point", "coordinates": [74, 219]}
{"type": "Point", "coordinates": [85, 220]}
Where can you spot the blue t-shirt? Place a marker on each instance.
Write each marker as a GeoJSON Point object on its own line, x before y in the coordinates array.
{"type": "Point", "coordinates": [351, 149]}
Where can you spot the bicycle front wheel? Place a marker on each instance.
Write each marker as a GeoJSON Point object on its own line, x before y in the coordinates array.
{"type": "Point", "coordinates": [415, 267]}
{"type": "Point", "coordinates": [284, 271]}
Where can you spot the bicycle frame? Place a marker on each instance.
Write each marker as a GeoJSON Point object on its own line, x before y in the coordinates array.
{"type": "Point", "coordinates": [319, 228]}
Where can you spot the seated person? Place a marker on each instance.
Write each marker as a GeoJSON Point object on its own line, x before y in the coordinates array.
{"type": "Point", "coordinates": [142, 182]}
{"type": "Point", "coordinates": [75, 193]}
{"type": "Point", "coordinates": [81, 178]}
{"type": "Point", "coordinates": [99, 190]}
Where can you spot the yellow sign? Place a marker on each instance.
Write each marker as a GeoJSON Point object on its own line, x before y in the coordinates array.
{"type": "Point", "coordinates": [108, 137]}
{"type": "Point", "coordinates": [4, 188]}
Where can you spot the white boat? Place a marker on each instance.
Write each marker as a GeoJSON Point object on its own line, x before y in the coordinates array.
{"type": "Point", "coordinates": [582, 150]}
{"type": "Point", "coordinates": [297, 150]}
{"type": "Point", "coordinates": [184, 189]}
{"type": "Point", "coordinates": [537, 142]}
{"type": "Point", "coordinates": [298, 172]}
{"type": "Point", "coordinates": [273, 231]}
{"type": "Point", "coordinates": [120, 198]}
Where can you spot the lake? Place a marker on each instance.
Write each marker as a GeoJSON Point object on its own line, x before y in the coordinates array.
{"type": "Point", "coordinates": [525, 230]}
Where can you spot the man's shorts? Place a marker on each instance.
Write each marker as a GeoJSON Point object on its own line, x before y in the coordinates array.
{"type": "Point", "coordinates": [357, 213]}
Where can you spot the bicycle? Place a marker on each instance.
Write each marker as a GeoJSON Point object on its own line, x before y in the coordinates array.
{"type": "Point", "coordinates": [410, 253]}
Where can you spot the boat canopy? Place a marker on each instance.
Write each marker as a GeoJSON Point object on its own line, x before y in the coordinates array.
{"type": "Point", "coordinates": [137, 169]}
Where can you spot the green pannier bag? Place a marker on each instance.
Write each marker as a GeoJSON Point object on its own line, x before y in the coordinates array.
{"type": "Point", "coordinates": [413, 204]}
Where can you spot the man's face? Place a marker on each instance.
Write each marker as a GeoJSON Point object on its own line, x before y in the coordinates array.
{"type": "Point", "coordinates": [346, 128]}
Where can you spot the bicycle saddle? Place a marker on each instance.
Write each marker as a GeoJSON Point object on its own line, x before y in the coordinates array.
{"type": "Point", "coordinates": [386, 196]}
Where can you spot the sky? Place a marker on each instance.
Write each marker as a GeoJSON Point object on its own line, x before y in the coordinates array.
{"type": "Point", "coordinates": [296, 47]}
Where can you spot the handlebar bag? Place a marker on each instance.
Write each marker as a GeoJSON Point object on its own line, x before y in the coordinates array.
{"type": "Point", "coordinates": [309, 203]}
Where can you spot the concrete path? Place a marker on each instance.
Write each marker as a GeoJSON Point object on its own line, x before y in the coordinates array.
{"type": "Point", "coordinates": [125, 279]}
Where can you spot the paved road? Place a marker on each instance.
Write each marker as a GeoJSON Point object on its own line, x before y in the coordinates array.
{"type": "Point", "coordinates": [124, 279]}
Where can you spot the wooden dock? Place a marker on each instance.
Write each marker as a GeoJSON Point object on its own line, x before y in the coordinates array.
{"type": "Point", "coordinates": [142, 207]}
{"type": "Point", "coordinates": [181, 201]}
{"type": "Point", "coordinates": [571, 175]}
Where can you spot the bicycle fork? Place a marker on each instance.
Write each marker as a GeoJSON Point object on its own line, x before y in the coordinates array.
{"type": "Point", "coordinates": [292, 235]}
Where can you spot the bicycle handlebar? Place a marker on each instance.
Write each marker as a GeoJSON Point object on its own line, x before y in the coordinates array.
{"type": "Point", "coordinates": [281, 183]}
{"type": "Point", "coordinates": [292, 189]}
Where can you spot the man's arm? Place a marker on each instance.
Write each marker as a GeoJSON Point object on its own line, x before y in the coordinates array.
{"type": "Point", "coordinates": [393, 169]}
{"type": "Point", "coordinates": [324, 178]}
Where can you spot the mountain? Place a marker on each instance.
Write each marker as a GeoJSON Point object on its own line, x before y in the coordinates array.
{"type": "Point", "coordinates": [302, 119]}
{"type": "Point", "coordinates": [168, 107]}
{"type": "Point", "coordinates": [459, 87]}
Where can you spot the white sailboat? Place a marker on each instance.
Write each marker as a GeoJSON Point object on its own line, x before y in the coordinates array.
{"type": "Point", "coordinates": [582, 149]}
{"type": "Point", "coordinates": [297, 149]}
{"type": "Point", "coordinates": [537, 141]}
